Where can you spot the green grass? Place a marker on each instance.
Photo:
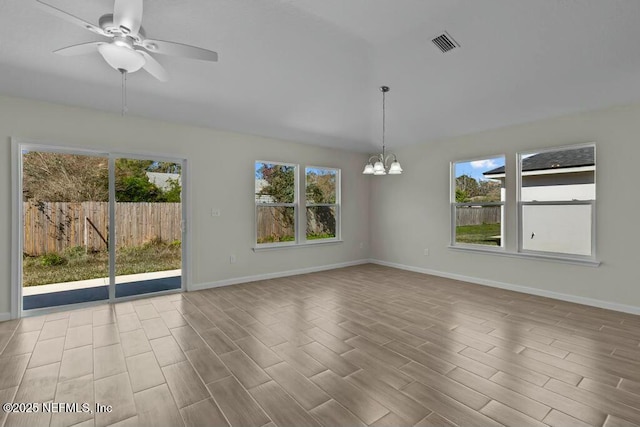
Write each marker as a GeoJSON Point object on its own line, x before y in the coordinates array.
{"type": "Point", "coordinates": [320, 236]}
{"type": "Point", "coordinates": [74, 264]}
{"type": "Point", "coordinates": [483, 234]}
{"type": "Point", "coordinates": [276, 239]}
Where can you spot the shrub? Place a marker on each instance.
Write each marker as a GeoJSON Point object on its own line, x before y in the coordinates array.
{"type": "Point", "coordinates": [52, 259]}
{"type": "Point", "coordinates": [75, 252]}
{"type": "Point", "coordinates": [154, 241]}
{"type": "Point", "coordinates": [177, 244]}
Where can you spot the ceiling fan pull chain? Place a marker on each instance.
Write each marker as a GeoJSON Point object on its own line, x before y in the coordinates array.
{"type": "Point", "coordinates": [124, 92]}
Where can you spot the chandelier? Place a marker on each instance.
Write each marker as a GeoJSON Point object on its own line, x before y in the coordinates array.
{"type": "Point", "coordinates": [377, 165]}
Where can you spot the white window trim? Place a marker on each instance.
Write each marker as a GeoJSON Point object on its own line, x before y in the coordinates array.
{"type": "Point", "coordinates": [590, 261]}
{"type": "Point", "coordinates": [337, 205]}
{"type": "Point", "coordinates": [538, 256]}
{"type": "Point", "coordinates": [294, 205]}
{"type": "Point", "coordinates": [453, 205]}
{"type": "Point", "coordinates": [300, 213]}
{"type": "Point", "coordinates": [558, 256]}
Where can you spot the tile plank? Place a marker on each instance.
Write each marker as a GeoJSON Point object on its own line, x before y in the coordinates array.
{"type": "Point", "coordinates": [185, 385]}
{"type": "Point", "coordinates": [332, 414]}
{"type": "Point", "coordinates": [246, 371]}
{"type": "Point", "coordinates": [351, 397]}
{"type": "Point", "coordinates": [203, 413]}
{"type": "Point", "coordinates": [280, 407]}
{"type": "Point", "coordinates": [396, 401]}
{"type": "Point", "coordinates": [305, 392]}
{"type": "Point", "coordinates": [236, 404]}
{"type": "Point", "coordinates": [207, 365]}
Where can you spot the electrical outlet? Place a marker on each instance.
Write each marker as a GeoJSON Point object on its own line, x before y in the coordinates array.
{"type": "Point", "coordinates": [215, 212]}
{"type": "Point", "coordinates": [361, 245]}
{"type": "Point", "coordinates": [426, 252]}
{"type": "Point", "coordinates": [232, 259]}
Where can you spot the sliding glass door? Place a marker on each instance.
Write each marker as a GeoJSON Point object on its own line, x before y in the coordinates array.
{"type": "Point", "coordinates": [65, 218]}
{"type": "Point", "coordinates": [148, 226]}
{"type": "Point", "coordinates": [97, 226]}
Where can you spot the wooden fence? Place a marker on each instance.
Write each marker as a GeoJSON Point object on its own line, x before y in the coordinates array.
{"type": "Point", "coordinates": [271, 224]}
{"type": "Point", "coordinates": [56, 226]}
{"type": "Point", "coordinates": [478, 215]}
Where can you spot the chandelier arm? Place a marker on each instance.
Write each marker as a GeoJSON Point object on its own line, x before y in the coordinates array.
{"type": "Point", "coordinates": [386, 160]}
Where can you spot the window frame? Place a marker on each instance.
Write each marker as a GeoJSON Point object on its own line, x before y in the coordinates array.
{"type": "Point", "coordinates": [454, 205]}
{"type": "Point", "coordinates": [337, 205]}
{"type": "Point", "coordinates": [521, 204]}
{"type": "Point", "coordinates": [294, 205]}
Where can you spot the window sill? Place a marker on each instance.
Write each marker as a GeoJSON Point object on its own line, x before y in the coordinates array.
{"type": "Point", "coordinates": [271, 247]}
{"type": "Point", "coordinates": [502, 252]}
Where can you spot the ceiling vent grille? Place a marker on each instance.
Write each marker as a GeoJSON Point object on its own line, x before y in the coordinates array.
{"type": "Point", "coordinates": [445, 42]}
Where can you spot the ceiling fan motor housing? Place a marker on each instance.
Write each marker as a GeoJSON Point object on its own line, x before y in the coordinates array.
{"type": "Point", "coordinates": [107, 24]}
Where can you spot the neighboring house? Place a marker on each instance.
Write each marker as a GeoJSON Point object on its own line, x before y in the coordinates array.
{"type": "Point", "coordinates": [262, 198]}
{"type": "Point", "coordinates": [556, 176]}
{"type": "Point", "coordinates": [162, 180]}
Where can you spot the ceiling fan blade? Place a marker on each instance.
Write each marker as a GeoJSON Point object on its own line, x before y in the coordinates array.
{"type": "Point", "coordinates": [79, 49]}
{"type": "Point", "coordinates": [179, 49]}
{"type": "Point", "coordinates": [153, 67]}
{"type": "Point", "coordinates": [128, 14]}
{"type": "Point", "coordinates": [70, 18]}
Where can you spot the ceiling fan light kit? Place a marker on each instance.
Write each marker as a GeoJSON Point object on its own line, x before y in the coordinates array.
{"type": "Point", "coordinates": [121, 58]}
{"type": "Point", "coordinates": [377, 165]}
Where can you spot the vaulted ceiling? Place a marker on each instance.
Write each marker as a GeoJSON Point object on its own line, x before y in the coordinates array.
{"type": "Point", "coordinates": [309, 70]}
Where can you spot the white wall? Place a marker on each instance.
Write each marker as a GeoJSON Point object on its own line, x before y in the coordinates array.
{"type": "Point", "coordinates": [410, 212]}
{"type": "Point", "coordinates": [221, 174]}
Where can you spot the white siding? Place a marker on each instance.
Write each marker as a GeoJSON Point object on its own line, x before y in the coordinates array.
{"type": "Point", "coordinates": [563, 229]}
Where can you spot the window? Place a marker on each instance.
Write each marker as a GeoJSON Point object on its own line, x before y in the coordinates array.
{"type": "Point", "coordinates": [557, 196]}
{"type": "Point", "coordinates": [477, 202]}
{"type": "Point", "coordinates": [276, 202]}
{"type": "Point", "coordinates": [323, 203]}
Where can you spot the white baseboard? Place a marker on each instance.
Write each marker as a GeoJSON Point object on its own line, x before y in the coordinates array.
{"type": "Point", "coordinates": [517, 288]}
{"type": "Point", "coordinates": [266, 276]}
{"type": "Point", "coordinates": [5, 316]}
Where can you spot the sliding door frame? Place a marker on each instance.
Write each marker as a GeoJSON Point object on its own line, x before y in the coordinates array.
{"type": "Point", "coordinates": [17, 235]}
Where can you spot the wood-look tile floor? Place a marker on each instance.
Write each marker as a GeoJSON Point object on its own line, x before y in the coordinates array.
{"type": "Point", "coordinates": [366, 345]}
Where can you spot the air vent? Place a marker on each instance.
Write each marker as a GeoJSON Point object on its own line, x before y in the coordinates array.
{"type": "Point", "coordinates": [445, 43]}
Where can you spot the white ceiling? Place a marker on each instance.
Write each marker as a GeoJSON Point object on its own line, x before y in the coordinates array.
{"type": "Point", "coordinates": [309, 70]}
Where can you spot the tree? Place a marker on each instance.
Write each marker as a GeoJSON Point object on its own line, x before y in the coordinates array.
{"type": "Point", "coordinates": [321, 188]}
{"type": "Point", "coordinates": [165, 167]}
{"type": "Point", "coordinates": [468, 189]}
{"type": "Point", "coordinates": [132, 182]}
{"type": "Point", "coordinates": [174, 193]}
{"type": "Point", "coordinates": [280, 182]}
{"type": "Point", "coordinates": [461, 196]}
{"type": "Point", "coordinates": [468, 185]}
{"type": "Point", "coordinates": [280, 188]}
{"type": "Point", "coordinates": [56, 177]}
{"type": "Point", "coordinates": [489, 191]}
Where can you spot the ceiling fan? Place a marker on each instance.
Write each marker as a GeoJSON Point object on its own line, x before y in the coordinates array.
{"type": "Point", "coordinates": [129, 49]}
